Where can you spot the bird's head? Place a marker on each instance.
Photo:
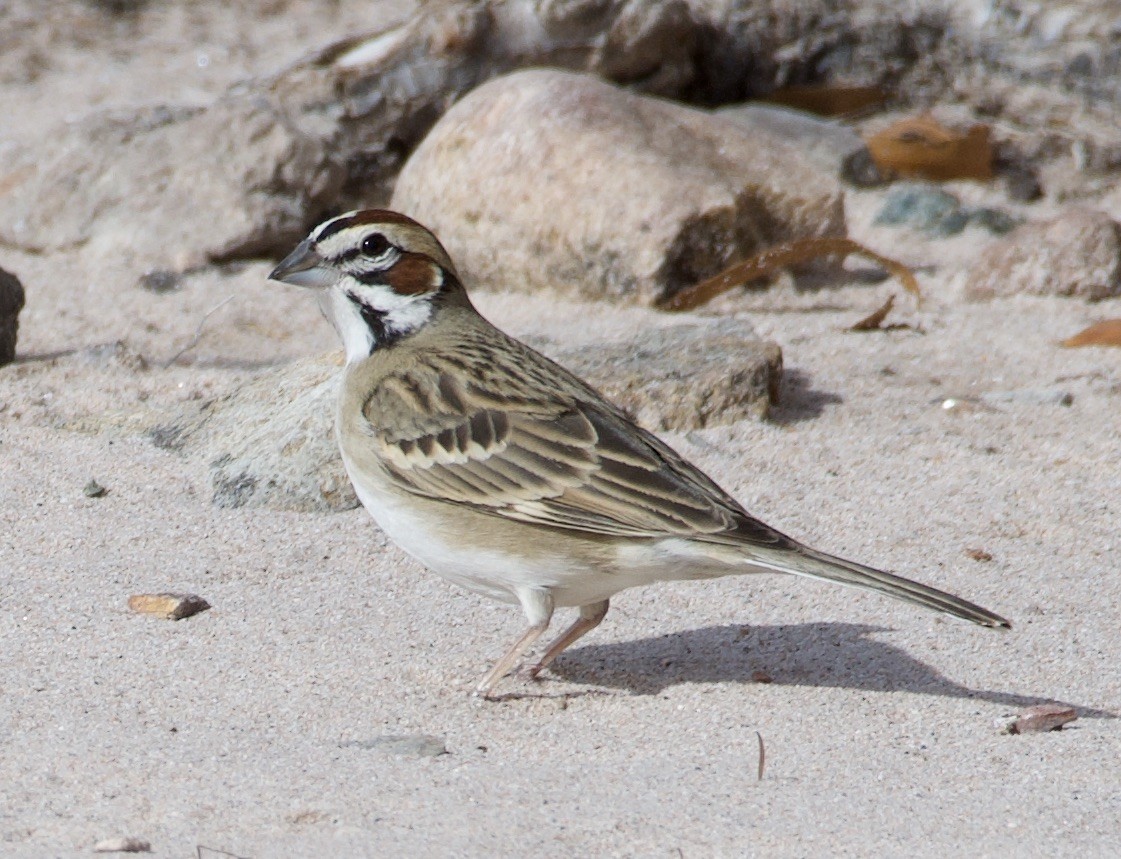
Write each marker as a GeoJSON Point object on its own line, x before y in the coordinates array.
{"type": "Point", "coordinates": [380, 276]}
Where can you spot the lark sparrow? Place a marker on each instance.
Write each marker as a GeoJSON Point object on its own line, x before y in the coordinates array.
{"type": "Point", "coordinates": [506, 474]}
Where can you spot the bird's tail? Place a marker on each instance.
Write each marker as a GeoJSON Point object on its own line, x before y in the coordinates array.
{"type": "Point", "coordinates": [804, 561]}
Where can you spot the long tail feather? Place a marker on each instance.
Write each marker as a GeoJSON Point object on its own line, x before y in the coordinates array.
{"type": "Point", "coordinates": [804, 561]}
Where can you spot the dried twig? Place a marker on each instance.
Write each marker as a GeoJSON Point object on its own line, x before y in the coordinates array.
{"type": "Point", "coordinates": [198, 332]}
{"type": "Point", "coordinates": [777, 257]}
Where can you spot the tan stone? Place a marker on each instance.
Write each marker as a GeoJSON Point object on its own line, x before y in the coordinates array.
{"type": "Point", "coordinates": [168, 606]}
{"type": "Point", "coordinates": [172, 187]}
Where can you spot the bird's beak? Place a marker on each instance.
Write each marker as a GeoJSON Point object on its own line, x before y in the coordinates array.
{"type": "Point", "coordinates": [304, 267]}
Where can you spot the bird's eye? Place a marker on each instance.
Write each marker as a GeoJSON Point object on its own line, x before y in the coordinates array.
{"type": "Point", "coordinates": [375, 244]}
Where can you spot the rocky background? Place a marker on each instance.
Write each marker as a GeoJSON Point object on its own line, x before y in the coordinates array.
{"type": "Point", "coordinates": [165, 413]}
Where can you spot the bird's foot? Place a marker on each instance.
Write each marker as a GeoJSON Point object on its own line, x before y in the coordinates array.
{"type": "Point", "coordinates": [530, 671]}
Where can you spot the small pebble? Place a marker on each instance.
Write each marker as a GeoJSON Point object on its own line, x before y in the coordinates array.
{"type": "Point", "coordinates": [1022, 183]}
{"type": "Point", "coordinates": [1030, 396]}
{"type": "Point", "coordinates": [168, 606]}
{"type": "Point", "coordinates": [858, 168]}
{"type": "Point", "coordinates": [922, 207]}
{"type": "Point", "coordinates": [93, 489]}
{"type": "Point", "coordinates": [963, 404]}
{"type": "Point", "coordinates": [160, 281]}
{"type": "Point", "coordinates": [937, 212]}
{"type": "Point", "coordinates": [996, 221]}
{"type": "Point", "coordinates": [1045, 717]}
{"type": "Point", "coordinates": [122, 845]}
{"type": "Point", "coordinates": [416, 745]}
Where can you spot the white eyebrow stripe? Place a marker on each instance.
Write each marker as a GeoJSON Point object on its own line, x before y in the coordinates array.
{"type": "Point", "coordinates": [322, 228]}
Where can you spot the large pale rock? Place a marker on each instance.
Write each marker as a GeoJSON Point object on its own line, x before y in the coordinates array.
{"type": "Point", "coordinates": [1077, 253]}
{"type": "Point", "coordinates": [552, 179]}
{"type": "Point", "coordinates": [175, 187]}
{"type": "Point", "coordinates": [172, 187]}
{"type": "Point", "coordinates": [271, 442]}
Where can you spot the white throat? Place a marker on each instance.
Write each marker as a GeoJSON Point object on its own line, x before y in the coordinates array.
{"type": "Point", "coordinates": [396, 315]}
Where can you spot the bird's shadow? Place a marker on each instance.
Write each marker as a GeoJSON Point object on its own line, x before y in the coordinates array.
{"type": "Point", "coordinates": [798, 400]}
{"type": "Point", "coordinates": [842, 655]}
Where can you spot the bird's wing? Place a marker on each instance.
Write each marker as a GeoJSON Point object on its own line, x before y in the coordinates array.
{"type": "Point", "coordinates": [532, 453]}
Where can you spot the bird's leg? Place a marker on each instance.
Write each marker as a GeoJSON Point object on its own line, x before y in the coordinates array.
{"type": "Point", "coordinates": [591, 616]}
{"type": "Point", "coordinates": [538, 607]}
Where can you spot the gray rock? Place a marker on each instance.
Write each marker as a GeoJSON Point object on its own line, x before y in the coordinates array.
{"type": "Point", "coordinates": [996, 221]}
{"type": "Point", "coordinates": [11, 303]}
{"type": "Point", "coordinates": [270, 442]}
{"type": "Point", "coordinates": [922, 207]}
{"type": "Point", "coordinates": [932, 210]}
{"type": "Point", "coordinates": [1077, 253]}
{"type": "Point", "coordinates": [93, 489]}
{"type": "Point", "coordinates": [160, 281]}
{"type": "Point", "coordinates": [406, 745]}
{"type": "Point", "coordinates": [831, 145]}
{"type": "Point", "coordinates": [282, 456]}
{"type": "Point", "coordinates": [685, 377]}
{"type": "Point", "coordinates": [551, 179]}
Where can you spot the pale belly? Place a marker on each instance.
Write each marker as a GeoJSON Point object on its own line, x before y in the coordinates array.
{"type": "Point", "coordinates": [489, 570]}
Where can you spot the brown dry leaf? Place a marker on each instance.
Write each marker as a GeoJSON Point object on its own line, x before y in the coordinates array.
{"type": "Point", "coordinates": [777, 257]}
{"type": "Point", "coordinates": [921, 146]}
{"type": "Point", "coordinates": [762, 757]}
{"type": "Point", "coordinates": [829, 100]}
{"type": "Point", "coordinates": [1106, 333]}
{"type": "Point", "coordinates": [873, 320]}
{"type": "Point", "coordinates": [168, 606]}
{"type": "Point", "coordinates": [1045, 717]}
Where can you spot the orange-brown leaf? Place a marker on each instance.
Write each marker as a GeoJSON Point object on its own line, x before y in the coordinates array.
{"type": "Point", "coordinates": [921, 146]}
{"type": "Point", "coordinates": [1107, 333]}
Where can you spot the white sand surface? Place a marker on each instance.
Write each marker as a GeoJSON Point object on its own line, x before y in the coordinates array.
{"type": "Point", "coordinates": [882, 725]}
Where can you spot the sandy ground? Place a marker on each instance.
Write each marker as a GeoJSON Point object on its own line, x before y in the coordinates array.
{"type": "Point", "coordinates": [882, 727]}
{"type": "Point", "coordinates": [254, 727]}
